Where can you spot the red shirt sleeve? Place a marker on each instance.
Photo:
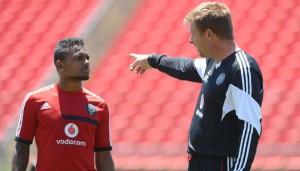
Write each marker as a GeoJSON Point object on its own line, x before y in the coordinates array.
{"type": "Point", "coordinates": [103, 139]}
{"type": "Point", "coordinates": [27, 121]}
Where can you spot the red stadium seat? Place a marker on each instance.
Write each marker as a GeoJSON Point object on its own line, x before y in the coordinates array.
{"type": "Point", "coordinates": [29, 30]}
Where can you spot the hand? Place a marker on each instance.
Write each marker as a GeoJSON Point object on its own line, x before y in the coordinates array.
{"type": "Point", "coordinates": [140, 65]}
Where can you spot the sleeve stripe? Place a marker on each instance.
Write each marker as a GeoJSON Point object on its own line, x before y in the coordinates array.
{"type": "Point", "coordinates": [110, 139]}
{"type": "Point", "coordinates": [245, 72]}
{"type": "Point", "coordinates": [248, 146]}
{"type": "Point", "coordinates": [21, 115]}
{"type": "Point", "coordinates": [249, 73]}
{"type": "Point", "coordinates": [242, 72]}
{"type": "Point", "coordinates": [230, 161]}
{"type": "Point", "coordinates": [240, 149]}
{"type": "Point", "coordinates": [246, 138]}
{"type": "Point", "coordinates": [244, 147]}
{"type": "Point", "coordinates": [22, 140]}
{"type": "Point", "coordinates": [103, 148]}
{"type": "Point", "coordinates": [23, 106]}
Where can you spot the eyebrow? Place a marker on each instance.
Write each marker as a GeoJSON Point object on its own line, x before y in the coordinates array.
{"type": "Point", "coordinates": [80, 51]}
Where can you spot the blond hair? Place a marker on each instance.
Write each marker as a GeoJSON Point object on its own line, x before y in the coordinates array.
{"type": "Point", "coordinates": [212, 15]}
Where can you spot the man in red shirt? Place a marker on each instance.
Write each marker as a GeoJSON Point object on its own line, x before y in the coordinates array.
{"type": "Point", "coordinates": [69, 123]}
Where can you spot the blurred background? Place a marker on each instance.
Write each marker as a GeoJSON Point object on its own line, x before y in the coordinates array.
{"type": "Point", "coordinates": [150, 114]}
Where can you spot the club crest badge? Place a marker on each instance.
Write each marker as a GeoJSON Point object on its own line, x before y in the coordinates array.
{"type": "Point", "coordinates": [90, 109]}
{"type": "Point", "coordinates": [220, 79]}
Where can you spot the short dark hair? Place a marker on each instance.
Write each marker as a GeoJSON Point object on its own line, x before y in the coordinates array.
{"type": "Point", "coordinates": [212, 15]}
{"type": "Point", "coordinates": [64, 46]}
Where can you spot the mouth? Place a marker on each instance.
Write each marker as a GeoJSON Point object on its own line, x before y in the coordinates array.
{"type": "Point", "coordinates": [86, 69]}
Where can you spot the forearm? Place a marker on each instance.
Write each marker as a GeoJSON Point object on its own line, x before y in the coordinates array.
{"type": "Point", "coordinates": [180, 68]}
{"type": "Point", "coordinates": [104, 161]}
{"type": "Point", "coordinates": [20, 157]}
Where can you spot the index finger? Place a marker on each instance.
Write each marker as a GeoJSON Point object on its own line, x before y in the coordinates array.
{"type": "Point", "coordinates": [133, 64]}
{"type": "Point", "coordinates": [134, 55]}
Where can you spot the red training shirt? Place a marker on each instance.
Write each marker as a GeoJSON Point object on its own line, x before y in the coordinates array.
{"type": "Point", "coordinates": [68, 127]}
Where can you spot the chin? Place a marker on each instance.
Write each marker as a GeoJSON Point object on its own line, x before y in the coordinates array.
{"type": "Point", "coordinates": [200, 53]}
{"type": "Point", "coordinates": [203, 55]}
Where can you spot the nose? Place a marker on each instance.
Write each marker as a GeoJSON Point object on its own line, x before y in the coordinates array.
{"type": "Point", "coordinates": [87, 62]}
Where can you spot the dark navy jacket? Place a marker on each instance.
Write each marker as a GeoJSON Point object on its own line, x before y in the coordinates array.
{"type": "Point", "coordinates": [227, 117]}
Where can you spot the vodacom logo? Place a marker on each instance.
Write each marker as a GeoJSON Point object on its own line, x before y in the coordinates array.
{"type": "Point", "coordinates": [71, 130]}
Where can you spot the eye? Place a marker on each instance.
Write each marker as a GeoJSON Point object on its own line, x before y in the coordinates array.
{"type": "Point", "coordinates": [80, 58]}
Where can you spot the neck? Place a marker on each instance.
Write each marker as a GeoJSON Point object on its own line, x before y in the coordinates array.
{"type": "Point", "coordinates": [70, 85]}
{"type": "Point", "coordinates": [224, 49]}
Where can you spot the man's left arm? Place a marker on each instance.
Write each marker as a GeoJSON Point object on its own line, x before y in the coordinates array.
{"type": "Point", "coordinates": [103, 144]}
{"type": "Point", "coordinates": [246, 93]}
{"type": "Point", "coordinates": [104, 161]}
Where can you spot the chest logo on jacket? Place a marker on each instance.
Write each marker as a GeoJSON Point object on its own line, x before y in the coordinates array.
{"type": "Point", "coordinates": [220, 79]}
{"type": "Point", "coordinates": [90, 109]}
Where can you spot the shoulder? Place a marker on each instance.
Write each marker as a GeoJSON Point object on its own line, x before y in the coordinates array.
{"type": "Point", "coordinates": [243, 61]}
{"type": "Point", "coordinates": [245, 69]}
{"type": "Point", "coordinates": [92, 95]}
{"type": "Point", "coordinates": [41, 92]}
{"type": "Point", "coordinates": [95, 100]}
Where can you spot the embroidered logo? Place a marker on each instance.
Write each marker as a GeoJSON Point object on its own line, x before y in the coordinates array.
{"type": "Point", "coordinates": [71, 130]}
{"type": "Point", "coordinates": [220, 79]}
{"type": "Point", "coordinates": [90, 109]}
{"type": "Point", "coordinates": [45, 106]}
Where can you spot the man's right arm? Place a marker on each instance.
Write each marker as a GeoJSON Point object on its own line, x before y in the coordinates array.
{"type": "Point", "coordinates": [20, 157]}
{"type": "Point", "coordinates": [180, 68]}
{"type": "Point", "coordinates": [177, 67]}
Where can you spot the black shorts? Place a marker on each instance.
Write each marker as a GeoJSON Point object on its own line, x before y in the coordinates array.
{"type": "Point", "coordinates": [208, 163]}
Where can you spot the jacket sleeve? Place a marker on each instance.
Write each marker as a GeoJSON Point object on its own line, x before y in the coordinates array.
{"type": "Point", "coordinates": [246, 93]}
{"type": "Point", "coordinates": [178, 67]}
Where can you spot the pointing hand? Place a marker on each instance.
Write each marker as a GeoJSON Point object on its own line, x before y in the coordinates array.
{"type": "Point", "coordinates": [140, 65]}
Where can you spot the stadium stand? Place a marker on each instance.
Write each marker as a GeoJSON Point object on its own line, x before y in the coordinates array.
{"type": "Point", "coordinates": [29, 31]}
{"type": "Point", "coordinates": [150, 114]}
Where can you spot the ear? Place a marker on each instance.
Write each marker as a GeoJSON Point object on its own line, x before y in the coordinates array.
{"type": "Point", "coordinates": [209, 33]}
{"type": "Point", "coordinates": [59, 65]}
